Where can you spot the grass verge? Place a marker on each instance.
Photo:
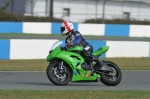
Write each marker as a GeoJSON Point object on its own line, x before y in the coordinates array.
{"type": "Point", "coordinates": [128, 94]}
{"type": "Point", "coordinates": [41, 65]}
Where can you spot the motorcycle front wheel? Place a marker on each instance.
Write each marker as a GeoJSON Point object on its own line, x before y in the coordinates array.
{"type": "Point", "coordinates": [57, 76]}
{"type": "Point", "coordinates": [111, 78]}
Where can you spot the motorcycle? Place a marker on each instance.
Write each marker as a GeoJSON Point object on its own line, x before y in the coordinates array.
{"type": "Point", "coordinates": [70, 66]}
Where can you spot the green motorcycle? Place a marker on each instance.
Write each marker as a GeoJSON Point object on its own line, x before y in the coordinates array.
{"type": "Point", "coordinates": [70, 66]}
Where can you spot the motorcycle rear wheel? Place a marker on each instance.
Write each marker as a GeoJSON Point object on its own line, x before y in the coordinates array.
{"type": "Point", "coordinates": [113, 78]}
{"type": "Point", "coordinates": [56, 78]}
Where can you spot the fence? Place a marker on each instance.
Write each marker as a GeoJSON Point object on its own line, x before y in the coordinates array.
{"type": "Point", "coordinates": [85, 29]}
{"type": "Point", "coordinates": [39, 49]}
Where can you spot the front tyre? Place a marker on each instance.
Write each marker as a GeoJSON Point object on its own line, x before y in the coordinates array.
{"type": "Point", "coordinates": [56, 76]}
{"type": "Point", "coordinates": [111, 78]}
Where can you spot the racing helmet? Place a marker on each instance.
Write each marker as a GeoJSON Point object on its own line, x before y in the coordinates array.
{"type": "Point", "coordinates": [66, 27]}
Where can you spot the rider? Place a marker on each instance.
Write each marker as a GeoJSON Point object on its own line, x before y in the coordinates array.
{"type": "Point", "coordinates": [75, 38]}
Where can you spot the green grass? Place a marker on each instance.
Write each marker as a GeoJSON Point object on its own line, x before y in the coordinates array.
{"type": "Point", "coordinates": [23, 65]}
{"type": "Point", "coordinates": [18, 94]}
{"type": "Point", "coordinates": [56, 35]}
{"type": "Point", "coordinates": [41, 65]}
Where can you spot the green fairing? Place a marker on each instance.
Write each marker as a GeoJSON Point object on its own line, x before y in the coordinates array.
{"type": "Point", "coordinates": [68, 57]}
{"type": "Point", "coordinates": [78, 48]}
{"type": "Point", "coordinates": [75, 61]}
{"type": "Point", "coordinates": [52, 54]}
{"type": "Point", "coordinates": [101, 51]}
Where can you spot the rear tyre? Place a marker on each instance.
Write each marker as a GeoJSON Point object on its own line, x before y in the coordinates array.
{"type": "Point", "coordinates": [56, 77]}
{"type": "Point", "coordinates": [113, 78]}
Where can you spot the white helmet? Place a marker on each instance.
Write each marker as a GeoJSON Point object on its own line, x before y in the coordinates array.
{"type": "Point", "coordinates": [66, 27]}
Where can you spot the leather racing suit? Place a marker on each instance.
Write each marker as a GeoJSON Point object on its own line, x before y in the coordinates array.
{"type": "Point", "coordinates": [77, 39]}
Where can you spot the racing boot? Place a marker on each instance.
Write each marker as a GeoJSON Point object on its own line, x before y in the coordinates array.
{"type": "Point", "coordinates": [96, 59]}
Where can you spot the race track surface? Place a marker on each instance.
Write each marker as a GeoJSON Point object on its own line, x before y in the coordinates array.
{"type": "Point", "coordinates": [131, 80]}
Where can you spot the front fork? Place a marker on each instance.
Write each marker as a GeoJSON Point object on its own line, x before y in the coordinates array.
{"type": "Point", "coordinates": [60, 67]}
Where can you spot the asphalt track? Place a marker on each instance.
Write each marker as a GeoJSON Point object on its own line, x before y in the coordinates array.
{"type": "Point", "coordinates": [131, 80]}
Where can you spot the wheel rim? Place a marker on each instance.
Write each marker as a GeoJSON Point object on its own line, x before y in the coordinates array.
{"type": "Point", "coordinates": [58, 75]}
{"type": "Point", "coordinates": [113, 76]}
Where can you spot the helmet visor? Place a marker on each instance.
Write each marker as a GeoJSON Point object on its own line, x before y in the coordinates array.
{"type": "Point", "coordinates": [62, 30]}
